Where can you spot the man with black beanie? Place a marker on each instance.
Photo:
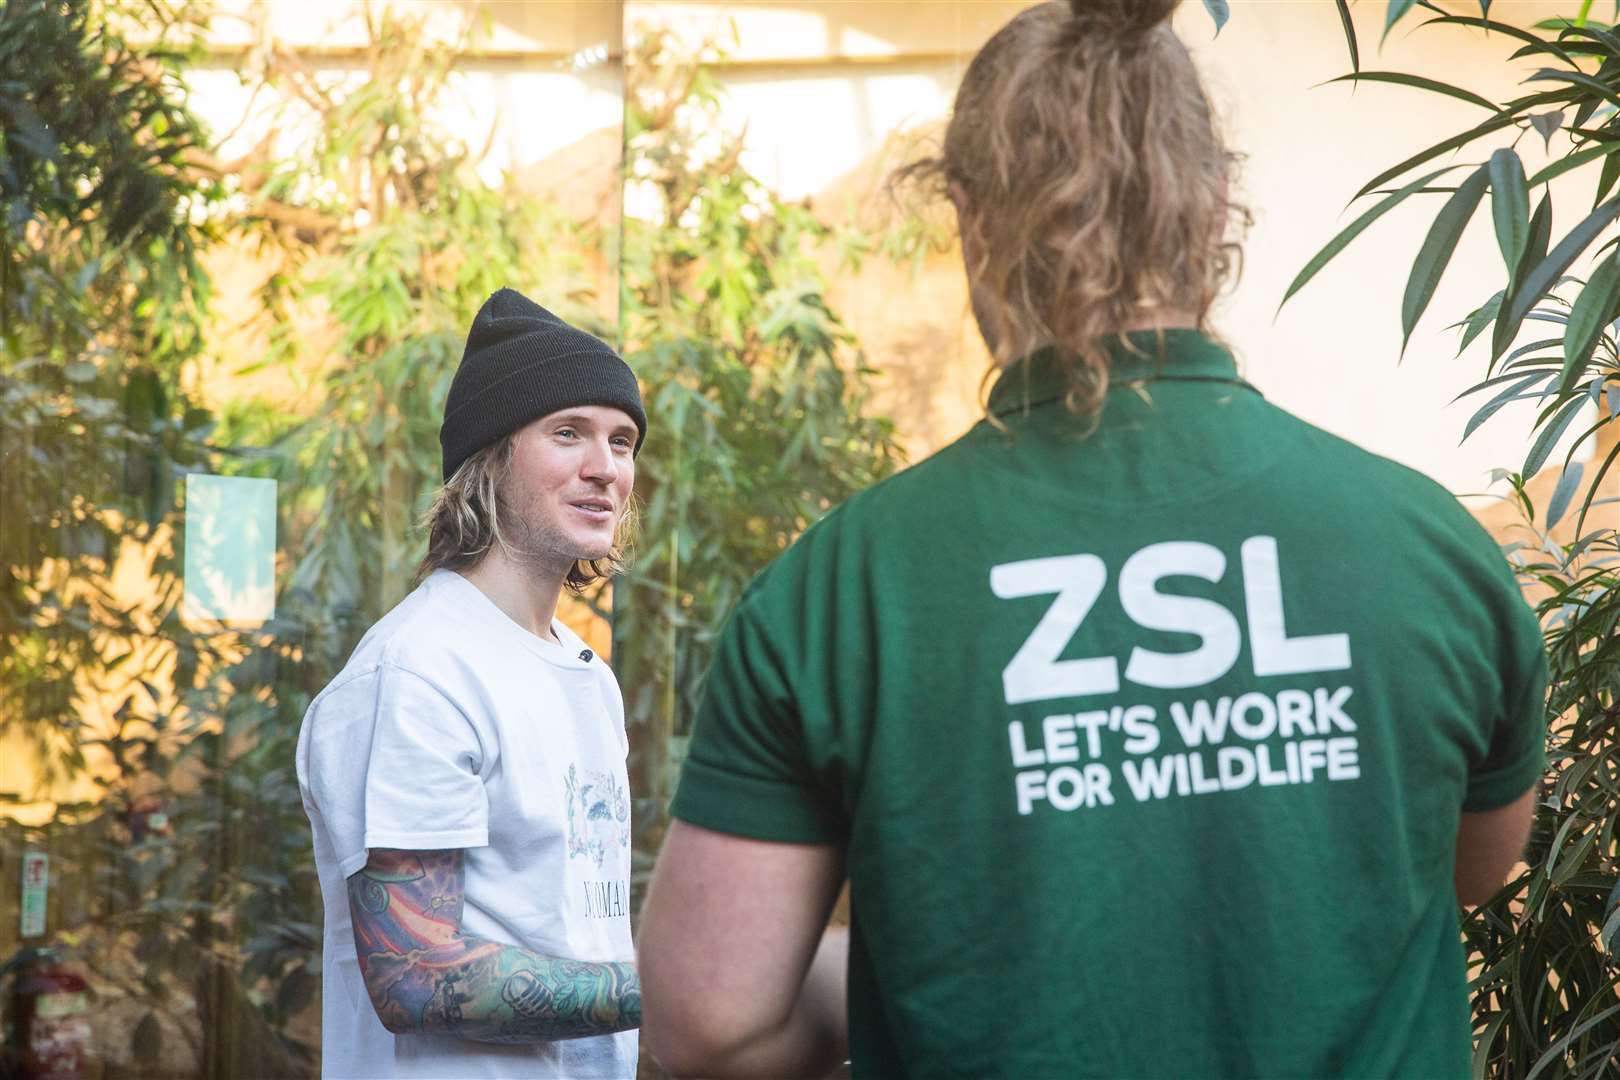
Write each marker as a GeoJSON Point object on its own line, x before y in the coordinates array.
{"type": "Point", "coordinates": [464, 774]}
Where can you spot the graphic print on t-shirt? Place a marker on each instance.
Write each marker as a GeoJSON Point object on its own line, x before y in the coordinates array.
{"type": "Point", "coordinates": [598, 814]}
{"type": "Point", "coordinates": [1293, 735]}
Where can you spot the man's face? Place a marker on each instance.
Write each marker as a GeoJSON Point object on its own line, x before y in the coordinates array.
{"type": "Point", "coordinates": [569, 484]}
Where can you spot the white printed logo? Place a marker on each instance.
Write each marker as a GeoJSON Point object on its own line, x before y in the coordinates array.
{"type": "Point", "coordinates": [1059, 762]}
{"type": "Point", "coordinates": [1035, 672]}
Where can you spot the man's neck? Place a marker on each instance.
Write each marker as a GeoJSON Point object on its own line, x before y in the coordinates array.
{"type": "Point", "coordinates": [526, 593]}
{"type": "Point", "coordinates": [1168, 319]}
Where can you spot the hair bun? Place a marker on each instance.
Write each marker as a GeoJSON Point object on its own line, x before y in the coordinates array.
{"type": "Point", "coordinates": [1127, 19]}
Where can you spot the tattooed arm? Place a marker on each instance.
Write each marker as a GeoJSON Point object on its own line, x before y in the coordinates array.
{"type": "Point", "coordinates": [424, 975]}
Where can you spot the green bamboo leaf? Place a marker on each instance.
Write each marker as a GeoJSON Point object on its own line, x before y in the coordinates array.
{"type": "Point", "coordinates": [1567, 483]}
{"type": "Point", "coordinates": [1561, 1047]}
{"type": "Point", "coordinates": [1526, 350]}
{"type": "Point", "coordinates": [1611, 925]}
{"type": "Point", "coordinates": [1598, 35]}
{"type": "Point", "coordinates": [1607, 179]}
{"type": "Point", "coordinates": [1573, 161]}
{"type": "Point", "coordinates": [1482, 1049]}
{"type": "Point", "coordinates": [1576, 78]}
{"type": "Point", "coordinates": [1399, 78]}
{"type": "Point", "coordinates": [1589, 502]}
{"type": "Point", "coordinates": [1516, 392]}
{"type": "Point", "coordinates": [1496, 123]}
{"type": "Point", "coordinates": [1349, 33]}
{"type": "Point", "coordinates": [1495, 380]}
{"type": "Point", "coordinates": [1535, 251]}
{"type": "Point", "coordinates": [1572, 48]}
{"type": "Point", "coordinates": [1438, 247]}
{"type": "Point", "coordinates": [1537, 282]}
{"type": "Point", "coordinates": [1510, 206]}
{"type": "Point", "coordinates": [1355, 229]}
{"type": "Point", "coordinates": [1550, 434]}
{"type": "Point", "coordinates": [1478, 320]}
{"type": "Point", "coordinates": [1593, 310]}
{"type": "Point", "coordinates": [1218, 11]}
{"type": "Point", "coordinates": [1539, 44]}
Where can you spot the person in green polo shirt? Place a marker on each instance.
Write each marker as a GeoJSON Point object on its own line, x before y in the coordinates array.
{"type": "Point", "coordinates": [1157, 732]}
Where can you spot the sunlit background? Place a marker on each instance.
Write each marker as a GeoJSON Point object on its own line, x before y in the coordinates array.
{"type": "Point", "coordinates": [230, 317]}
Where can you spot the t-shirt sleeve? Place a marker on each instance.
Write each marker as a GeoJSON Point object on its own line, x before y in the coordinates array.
{"type": "Point", "coordinates": [748, 771]}
{"type": "Point", "coordinates": [1516, 756]}
{"type": "Point", "coordinates": [423, 790]}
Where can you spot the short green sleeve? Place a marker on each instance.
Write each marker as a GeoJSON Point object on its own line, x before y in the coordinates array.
{"type": "Point", "coordinates": [747, 770]}
{"type": "Point", "coordinates": [1517, 754]}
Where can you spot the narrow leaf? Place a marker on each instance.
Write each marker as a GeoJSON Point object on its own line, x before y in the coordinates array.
{"type": "Point", "coordinates": [1478, 320]}
{"type": "Point", "coordinates": [1589, 502]}
{"type": "Point", "coordinates": [1356, 227]}
{"type": "Point", "coordinates": [1535, 251]}
{"type": "Point", "coordinates": [1510, 206]}
{"type": "Point", "coordinates": [1495, 380]}
{"type": "Point", "coordinates": [1550, 434]}
{"type": "Point", "coordinates": [1607, 179]}
{"type": "Point", "coordinates": [1516, 392]}
{"type": "Point", "coordinates": [1539, 44]}
{"type": "Point", "coordinates": [1480, 1067]}
{"type": "Point", "coordinates": [1593, 310]}
{"type": "Point", "coordinates": [1583, 114]}
{"type": "Point", "coordinates": [1438, 247]}
{"type": "Point", "coordinates": [1219, 11]}
{"type": "Point", "coordinates": [1433, 85]}
{"type": "Point", "coordinates": [1496, 123]}
{"type": "Point", "coordinates": [1349, 33]}
{"type": "Point", "coordinates": [1571, 161]}
{"type": "Point", "coordinates": [1536, 283]}
{"type": "Point", "coordinates": [1573, 78]}
{"type": "Point", "coordinates": [1564, 492]}
{"type": "Point", "coordinates": [1596, 33]}
{"type": "Point", "coordinates": [1556, 1052]}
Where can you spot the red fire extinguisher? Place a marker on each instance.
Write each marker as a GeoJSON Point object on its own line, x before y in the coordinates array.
{"type": "Point", "coordinates": [47, 1023]}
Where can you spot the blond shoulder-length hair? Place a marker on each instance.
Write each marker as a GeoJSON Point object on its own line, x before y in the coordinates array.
{"type": "Point", "coordinates": [1095, 182]}
{"type": "Point", "coordinates": [464, 522]}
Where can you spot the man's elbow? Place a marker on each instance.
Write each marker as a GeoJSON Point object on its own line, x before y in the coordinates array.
{"type": "Point", "coordinates": [693, 1043]}
{"type": "Point", "coordinates": [684, 1048]}
{"type": "Point", "coordinates": [1475, 886]}
{"type": "Point", "coordinates": [1490, 844]}
{"type": "Point", "coordinates": [388, 1012]}
{"type": "Point", "coordinates": [1472, 892]}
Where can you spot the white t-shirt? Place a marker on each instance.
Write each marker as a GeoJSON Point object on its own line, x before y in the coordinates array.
{"type": "Point", "coordinates": [453, 727]}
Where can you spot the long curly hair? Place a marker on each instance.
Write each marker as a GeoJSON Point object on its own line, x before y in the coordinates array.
{"type": "Point", "coordinates": [1095, 184]}
{"type": "Point", "coordinates": [464, 522]}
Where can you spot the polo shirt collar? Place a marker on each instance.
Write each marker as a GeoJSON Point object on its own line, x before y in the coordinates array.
{"type": "Point", "coordinates": [1188, 355]}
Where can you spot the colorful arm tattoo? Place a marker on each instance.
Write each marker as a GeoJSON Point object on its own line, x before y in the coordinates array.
{"type": "Point", "coordinates": [425, 975]}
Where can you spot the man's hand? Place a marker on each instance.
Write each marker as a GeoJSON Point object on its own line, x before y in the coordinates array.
{"type": "Point", "coordinates": [424, 975]}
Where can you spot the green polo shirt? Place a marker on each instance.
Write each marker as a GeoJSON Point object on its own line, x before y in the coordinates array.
{"type": "Point", "coordinates": [1147, 745]}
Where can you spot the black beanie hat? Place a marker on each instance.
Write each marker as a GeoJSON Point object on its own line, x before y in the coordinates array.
{"type": "Point", "coordinates": [521, 363]}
